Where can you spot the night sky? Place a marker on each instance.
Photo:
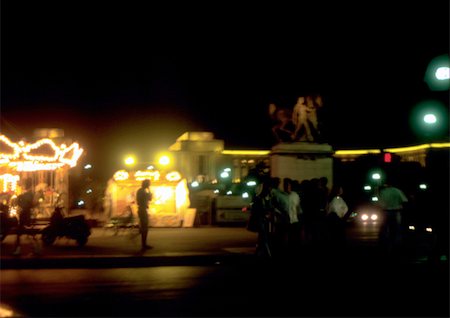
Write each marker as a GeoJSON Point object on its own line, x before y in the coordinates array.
{"type": "Point", "coordinates": [124, 78]}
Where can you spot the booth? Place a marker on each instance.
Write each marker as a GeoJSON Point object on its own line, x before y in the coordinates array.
{"type": "Point", "coordinates": [169, 206]}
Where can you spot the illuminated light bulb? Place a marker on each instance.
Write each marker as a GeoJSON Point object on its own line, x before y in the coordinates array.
{"type": "Point", "coordinates": [430, 118]}
{"type": "Point", "coordinates": [442, 73]}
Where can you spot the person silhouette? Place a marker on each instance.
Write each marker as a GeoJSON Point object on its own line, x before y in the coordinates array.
{"type": "Point", "coordinates": [143, 197]}
{"type": "Point", "coordinates": [26, 202]}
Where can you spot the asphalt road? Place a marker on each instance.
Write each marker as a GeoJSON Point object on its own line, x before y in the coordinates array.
{"type": "Point", "coordinates": [320, 288]}
{"type": "Point", "coordinates": [316, 282]}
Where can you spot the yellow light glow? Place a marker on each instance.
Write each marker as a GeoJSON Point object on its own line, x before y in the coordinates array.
{"type": "Point", "coordinates": [419, 147]}
{"type": "Point", "coordinates": [404, 149]}
{"type": "Point", "coordinates": [13, 147]}
{"type": "Point", "coordinates": [162, 194]}
{"type": "Point", "coordinates": [357, 152]}
{"type": "Point", "coordinates": [34, 166]}
{"type": "Point", "coordinates": [441, 145]}
{"type": "Point", "coordinates": [400, 149]}
{"type": "Point", "coordinates": [28, 157]}
{"type": "Point", "coordinates": [164, 160]}
{"type": "Point", "coordinates": [121, 175]}
{"type": "Point", "coordinates": [130, 160]}
{"type": "Point", "coordinates": [39, 145]}
{"type": "Point", "coordinates": [9, 182]}
{"type": "Point", "coordinates": [246, 152]}
{"type": "Point", "coordinates": [173, 176]}
{"type": "Point", "coordinates": [182, 195]}
{"type": "Point", "coordinates": [152, 175]}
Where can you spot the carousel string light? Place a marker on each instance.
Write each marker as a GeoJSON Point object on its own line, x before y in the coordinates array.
{"type": "Point", "coordinates": [28, 157]}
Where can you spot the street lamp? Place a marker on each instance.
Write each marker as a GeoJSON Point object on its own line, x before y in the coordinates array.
{"type": "Point", "coordinates": [130, 160]}
{"type": "Point", "coordinates": [437, 75]}
{"type": "Point", "coordinates": [164, 160]}
{"type": "Point", "coordinates": [429, 120]}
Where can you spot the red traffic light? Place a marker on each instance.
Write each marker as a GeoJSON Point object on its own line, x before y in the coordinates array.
{"type": "Point", "coordinates": [387, 157]}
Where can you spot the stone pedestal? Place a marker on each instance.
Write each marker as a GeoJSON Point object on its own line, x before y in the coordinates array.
{"type": "Point", "coordinates": [302, 160]}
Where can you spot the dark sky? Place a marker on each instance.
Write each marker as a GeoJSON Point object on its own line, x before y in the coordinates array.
{"type": "Point", "coordinates": [124, 78]}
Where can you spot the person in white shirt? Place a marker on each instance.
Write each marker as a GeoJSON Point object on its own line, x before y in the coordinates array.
{"type": "Point", "coordinates": [336, 210]}
{"type": "Point", "coordinates": [392, 200]}
{"type": "Point", "coordinates": [294, 211]}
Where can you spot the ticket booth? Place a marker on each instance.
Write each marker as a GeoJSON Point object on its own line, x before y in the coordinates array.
{"type": "Point", "coordinates": [170, 203]}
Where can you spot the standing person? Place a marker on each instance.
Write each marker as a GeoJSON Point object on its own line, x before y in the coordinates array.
{"type": "Point", "coordinates": [281, 216]}
{"type": "Point", "coordinates": [306, 203]}
{"type": "Point", "coordinates": [143, 197]}
{"type": "Point", "coordinates": [25, 201]}
{"type": "Point", "coordinates": [262, 210]}
{"type": "Point", "coordinates": [336, 211]}
{"type": "Point", "coordinates": [392, 201]}
{"type": "Point", "coordinates": [294, 210]}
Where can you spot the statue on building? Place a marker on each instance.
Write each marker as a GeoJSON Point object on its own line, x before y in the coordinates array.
{"type": "Point", "coordinates": [283, 128]}
{"type": "Point", "coordinates": [301, 123]}
{"type": "Point", "coordinates": [305, 118]}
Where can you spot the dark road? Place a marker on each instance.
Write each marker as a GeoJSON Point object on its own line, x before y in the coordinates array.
{"type": "Point", "coordinates": [319, 287]}
{"type": "Point", "coordinates": [356, 282]}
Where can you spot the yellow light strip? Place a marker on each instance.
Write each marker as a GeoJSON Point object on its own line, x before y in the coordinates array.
{"type": "Point", "coordinates": [356, 152]}
{"type": "Point", "coordinates": [35, 166]}
{"type": "Point", "coordinates": [393, 150]}
{"type": "Point", "coordinates": [9, 179]}
{"type": "Point", "coordinates": [418, 147]}
{"type": "Point", "coordinates": [404, 149]}
{"type": "Point", "coordinates": [60, 155]}
{"type": "Point", "coordinates": [15, 149]}
{"type": "Point", "coordinates": [441, 145]}
{"type": "Point", "coordinates": [246, 152]}
{"type": "Point", "coordinates": [37, 145]}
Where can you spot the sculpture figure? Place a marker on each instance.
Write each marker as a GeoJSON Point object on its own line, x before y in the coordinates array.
{"type": "Point", "coordinates": [284, 128]}
{"type": "Point", "coordinates": [304, 117]}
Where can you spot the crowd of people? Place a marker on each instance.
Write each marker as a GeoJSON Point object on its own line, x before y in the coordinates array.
{"type": "Point", "coordinates": [290, 214]}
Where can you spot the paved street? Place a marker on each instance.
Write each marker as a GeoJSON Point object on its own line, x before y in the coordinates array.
{"type": "Point", "coordinates": [212, 271]}
{"type": "Point", "coordinates": [168, 244]}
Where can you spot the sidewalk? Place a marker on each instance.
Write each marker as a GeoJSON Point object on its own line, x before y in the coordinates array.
{"type": "Point", "coordinates": [106, 248]}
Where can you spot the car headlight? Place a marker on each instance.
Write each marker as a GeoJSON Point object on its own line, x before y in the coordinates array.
{"type": "Point", "coordinates": [364, 217]}
{"type": "Point", "coordinates": [374, 217]}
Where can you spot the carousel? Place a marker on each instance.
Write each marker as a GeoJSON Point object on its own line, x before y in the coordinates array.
{"type": "Point", "coordinates": [46, 163]}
